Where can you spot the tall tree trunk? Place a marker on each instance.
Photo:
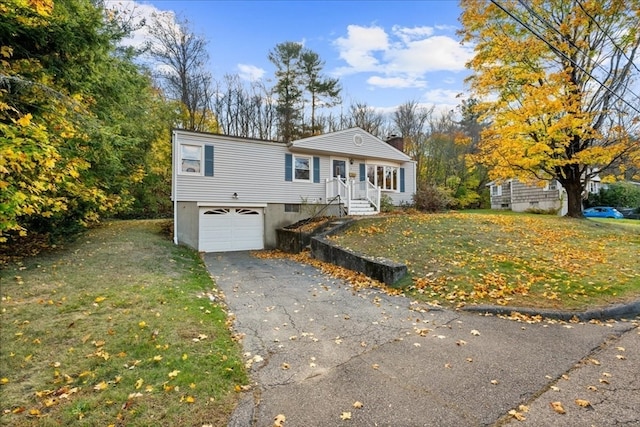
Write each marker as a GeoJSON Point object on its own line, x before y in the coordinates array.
{"type": "Point", "coordinates": [574, 197]}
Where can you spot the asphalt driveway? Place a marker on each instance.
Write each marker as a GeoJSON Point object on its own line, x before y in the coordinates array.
{"type": "Point", "coordinates": [321, 354]}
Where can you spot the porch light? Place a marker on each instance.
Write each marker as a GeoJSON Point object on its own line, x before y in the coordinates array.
{"type": "Point", "coordinates": [235, 196]}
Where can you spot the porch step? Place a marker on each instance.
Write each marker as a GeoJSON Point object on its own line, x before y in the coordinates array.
{"type": "Point", "coordinates": [361, 207]}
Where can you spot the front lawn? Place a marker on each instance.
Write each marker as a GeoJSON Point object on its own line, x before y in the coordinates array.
{"type": "Point", "coordinates": [119, 328]}
{"type": "Point", "coordinates": [505, 258]}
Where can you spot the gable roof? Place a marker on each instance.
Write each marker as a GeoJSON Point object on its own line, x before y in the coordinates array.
{"type": "Point", "coordinates": [353, 142]}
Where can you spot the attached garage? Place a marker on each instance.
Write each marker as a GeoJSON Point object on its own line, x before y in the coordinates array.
{"type": "Point", "coordinates": [224, 229]}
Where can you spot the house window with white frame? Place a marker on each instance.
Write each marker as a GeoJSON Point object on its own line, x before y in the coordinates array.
{"type": "Point", "coordinates": [496, 190]}
{"type": "Point", "coordinates": [302, 168]}
{"type": "Point", "coordinates": [385, 177]}
{"type": "Point", "coordinates": [552, 185]}
{"type": "Point", "coordinates": [191, 159]}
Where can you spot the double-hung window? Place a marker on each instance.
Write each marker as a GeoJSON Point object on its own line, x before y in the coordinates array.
{"type": "Point", "coordinates": [302, 168]}
{"type": "Point", "coordinates": [191, 158]}
{"type": "Point", "coordinates": [496, 190]}
{"type": "Point", "coordinates": [196, 159]}
{"type": "Point", "coordinates": [552, 185]}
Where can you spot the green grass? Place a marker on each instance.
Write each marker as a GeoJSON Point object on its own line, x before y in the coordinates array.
{"type": "Point", "coordinates": [115, 329]}
{"type": "Point", "coordinates": [507, 258]}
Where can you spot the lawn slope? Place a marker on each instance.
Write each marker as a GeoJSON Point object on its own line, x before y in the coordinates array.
{"type": "Point", "coordinates": [507, 259]}
{"type": "Point", "coordinates": [119, 328]}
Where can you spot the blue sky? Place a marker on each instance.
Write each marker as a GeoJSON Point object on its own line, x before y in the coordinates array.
{"type": "Point", "coordinates": [383, 52]}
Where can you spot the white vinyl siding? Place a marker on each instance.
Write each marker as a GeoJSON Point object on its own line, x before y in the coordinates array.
{"type": "Point", "coordinates": [254, 170]}
{"type": "Point", "coordinates": [345, 143]}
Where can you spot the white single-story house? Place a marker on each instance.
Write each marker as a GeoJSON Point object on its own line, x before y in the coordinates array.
{"type": "Point", "coordinates": [231, 193]}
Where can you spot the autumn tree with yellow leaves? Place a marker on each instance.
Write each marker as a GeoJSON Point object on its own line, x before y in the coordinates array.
{"type": "Point", "coordinates": [558, 84]}
{"type": "Point", "coordinates": [78, 119]}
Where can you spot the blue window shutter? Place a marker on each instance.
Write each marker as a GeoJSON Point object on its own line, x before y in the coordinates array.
{"type": "Point", "coordinates": [208, 160]}
{"type": "Point", "coordinates": [288, 167]}
{"type": "Point", "coordinates": [363, 172]}
{"type": "Point", "coordinates": [316, 169]}
{"type": "Point", "coordinates": [402, 180]}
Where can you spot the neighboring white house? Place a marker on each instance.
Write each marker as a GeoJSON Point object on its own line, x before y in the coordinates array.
{"type": "Point", "coordinates": [232, 193]}
{"type": "Point", "coordinates": [520, 197]}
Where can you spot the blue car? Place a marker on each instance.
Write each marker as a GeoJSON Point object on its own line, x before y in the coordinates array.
{"type": "Point", "coordinates": [602, 212]}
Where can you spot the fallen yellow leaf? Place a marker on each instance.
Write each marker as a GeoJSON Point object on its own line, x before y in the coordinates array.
{"type": "Point", "coordinates": [358, 405]}
{"type": "Point", "coordinates": [583, 403]}
{"type": "Point", "coordinates": [189, 399]}
{"type": "Point", "coordinates": [345, 416]}
{"type": "Point", "coordinates": [517, 415]}
{"type": "Point", "coordinates": [279, 420]}
{"type": "Point", "coordinates": [557, 406]}
{"type": "Point", "coordinates": [139, 383]}
{"type": "Point", "coordinates": [99, 299]}
{"type": "Point", "coordinates": [100, 386]}
{"type": "Point", "coordinates": [173, 374]}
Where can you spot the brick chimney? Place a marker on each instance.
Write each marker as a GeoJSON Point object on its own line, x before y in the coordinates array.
{"type": "Point", "coordinates": [396, 142]}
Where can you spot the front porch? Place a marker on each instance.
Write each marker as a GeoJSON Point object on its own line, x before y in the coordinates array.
{"type": "Point", "coordinates": [357, 197]}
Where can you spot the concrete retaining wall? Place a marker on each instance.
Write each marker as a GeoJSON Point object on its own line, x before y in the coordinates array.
{"type": "Point", "coordinates": [381, 269]}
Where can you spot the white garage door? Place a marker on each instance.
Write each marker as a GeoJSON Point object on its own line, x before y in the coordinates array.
{"type": "Point", "coordinates": [231, 229]}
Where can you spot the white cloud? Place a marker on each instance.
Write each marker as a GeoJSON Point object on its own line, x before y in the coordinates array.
{"type": "Point", "coordinates": [445, 100]}
{"type": "Point", "coordinates": [407, 34]}
{"type": "Point", "coordinates": [401, 58]}
{"type": "Point", "coordinates": [441, 96]}
{"type": "Point", "coordinates": [437, 53]}
{"type": "Point", "coordinates": [397, 82]}
{"type": "Point", "coordinates": [250, 72]}
{"type": "Point", "coordinates": [358, 48]}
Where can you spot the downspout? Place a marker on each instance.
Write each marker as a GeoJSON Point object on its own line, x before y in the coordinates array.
{"type": "Point", "coordinates": [174, 188]}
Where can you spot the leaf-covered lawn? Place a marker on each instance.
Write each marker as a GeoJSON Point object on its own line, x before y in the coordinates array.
{"type": "Point", "coordinates": [516, 260]}
{"type": "Point", "coordinates": [120, 328]}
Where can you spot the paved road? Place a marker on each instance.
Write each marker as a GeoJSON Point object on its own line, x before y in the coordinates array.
{"type": "Point", "coordinates": [315, 348]}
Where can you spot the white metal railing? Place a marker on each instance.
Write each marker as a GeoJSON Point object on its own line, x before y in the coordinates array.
{"type": "Point", "coordinates": [350, 189]}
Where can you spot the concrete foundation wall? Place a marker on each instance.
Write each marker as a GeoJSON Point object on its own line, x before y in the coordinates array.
{"type": "Point", "coordinates": [541, 204]}
{"type": "Point", "coordinates": [187, 224]}
{"type": "Point", "coordinates": [276, 217]}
